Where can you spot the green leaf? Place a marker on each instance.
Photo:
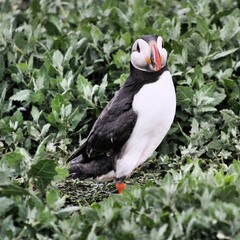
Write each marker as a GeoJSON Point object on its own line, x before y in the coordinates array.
{"type": "Point", "coordinates": [52, 28]}
{"type": "Point", "coordinates": [194, 127]}
{"type": "Point", "coordinates": [33, 132]}
{"type": "Point", "coordinates": [85, 89]}
{"type": "Point", "coordinates": [226, 193]}
{"type": "Point", "coordinates": [54, 200]}
{"type": "Point", "coordinates": [97, 35]}
{"type": "Point", "coordinates": [5, 204]}
{"type": "Point", "coordinates": [184, 95]}
{"type": "Point", "coordinates": [218, 98]}
{"type": "Point", "coordinates": [17, 117]}
{"type": "Point", "coordinates": [69, 209]}
{"type": "Point", "coordinates": [202, 25]}
{"type": "Point", "coordinates": [13, 160]}
{"type": "Point", "coordinates": [43, 172]}
{"type": "Point", "coordinates": [35, 113]}
{"type": "Point", "coordinates": [224, 53]}
{"type": "Point", "coordinates": [23, 67]}
{"type": "Point", "coordinates": [5, 174]}
{"type": "Point", "coordinates": [120, 81]}
{"type": "Point", "coordinates": [230, 28]}
{"type": "Point", "coordinates": [92, 235]}
{"type": "Point", "coordinates": [67, 110]}
{"type": "Point", "coordinates": [12, 190]}
{"type": "Point", "coordinates": [20, 39]}
{"type": "Point", "coordinates": [61, 62]}
{"type": "Point", "coordinates": [35, 6]}
{"type": "Point", "coordinates": [108, 4]}
{"type": "Point", "coordinates": [230, 118]}
{"type": "Point", "coordinates": [57, 103]}
{"type": "Point", "coordinates": [45, 129]}
{"type": "Point", "coordinates": [2, 67]}
{"type": "Point", "coordinates": [41, 148]}
{"type": "Point", "coordinates": [22, 95]}
{"type": "Point", "coordinates": [208, 89]}
{"type": "Point", "coordinates": [62, 173]}
{"type": "Point", "coordinates": [235, 168]}
{"type": "Point", "coordinates": [120, 58]}
{"type": "Point", "coordinates": [76, 117]}
{"type": "Point", "coordinates": [58, 60]}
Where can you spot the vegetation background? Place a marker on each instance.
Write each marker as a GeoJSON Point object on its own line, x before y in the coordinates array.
{"type": "Point", "coordinates": [61, 62]}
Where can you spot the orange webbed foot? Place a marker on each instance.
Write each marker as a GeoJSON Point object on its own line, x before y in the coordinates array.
{"type": "Point", "coordinates": [120, 187]}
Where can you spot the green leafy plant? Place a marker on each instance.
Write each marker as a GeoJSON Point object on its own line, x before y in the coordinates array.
{"type": "Point", "coordinates": [61, 62]}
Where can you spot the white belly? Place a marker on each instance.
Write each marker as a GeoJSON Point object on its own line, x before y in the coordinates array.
{"type": "Point", "coordinates": [155, 105]}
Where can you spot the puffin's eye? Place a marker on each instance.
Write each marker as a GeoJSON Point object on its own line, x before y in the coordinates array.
{"type": "Point", "coordinates": [138, 48]}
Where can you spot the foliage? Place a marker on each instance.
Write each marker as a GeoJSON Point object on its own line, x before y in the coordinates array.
{"type": "Point", "coordinates": [60, 63]}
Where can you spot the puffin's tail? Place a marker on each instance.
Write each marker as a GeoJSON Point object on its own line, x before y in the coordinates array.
{"type": "Point", "coordinates": [76, 167]}
{"type": "Point", "coordinates": [82, 168]}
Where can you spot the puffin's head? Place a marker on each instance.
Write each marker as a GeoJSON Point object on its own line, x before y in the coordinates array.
{"type": "Point", "coordinates": [148, 53]}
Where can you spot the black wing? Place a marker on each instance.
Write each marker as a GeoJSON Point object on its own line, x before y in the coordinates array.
{"type": "Point", "coordinates": [112, 129]}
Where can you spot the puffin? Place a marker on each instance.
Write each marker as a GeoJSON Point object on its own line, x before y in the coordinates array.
{"type": "Point", "coordinates": [134, 122]}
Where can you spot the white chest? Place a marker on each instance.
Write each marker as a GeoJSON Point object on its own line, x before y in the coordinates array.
{"type": "Point", "coordinates": [155, 103]}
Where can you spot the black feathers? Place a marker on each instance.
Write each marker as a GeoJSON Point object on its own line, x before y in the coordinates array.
{"type": "Point", "coordinates": [111, 130]}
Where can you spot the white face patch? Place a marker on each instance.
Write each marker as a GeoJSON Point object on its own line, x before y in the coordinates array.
{"type": "Point", "coordinates": [142, 53]}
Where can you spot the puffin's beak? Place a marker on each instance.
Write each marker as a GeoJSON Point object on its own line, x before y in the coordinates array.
{"type": "Point", "coordinates": [155, 59]}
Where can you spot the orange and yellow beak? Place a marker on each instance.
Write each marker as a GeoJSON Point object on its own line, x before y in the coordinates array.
{"type": "Point", "coordinates": [155, 60]}
{"type": "Point", "coordinates": [156, 57]}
